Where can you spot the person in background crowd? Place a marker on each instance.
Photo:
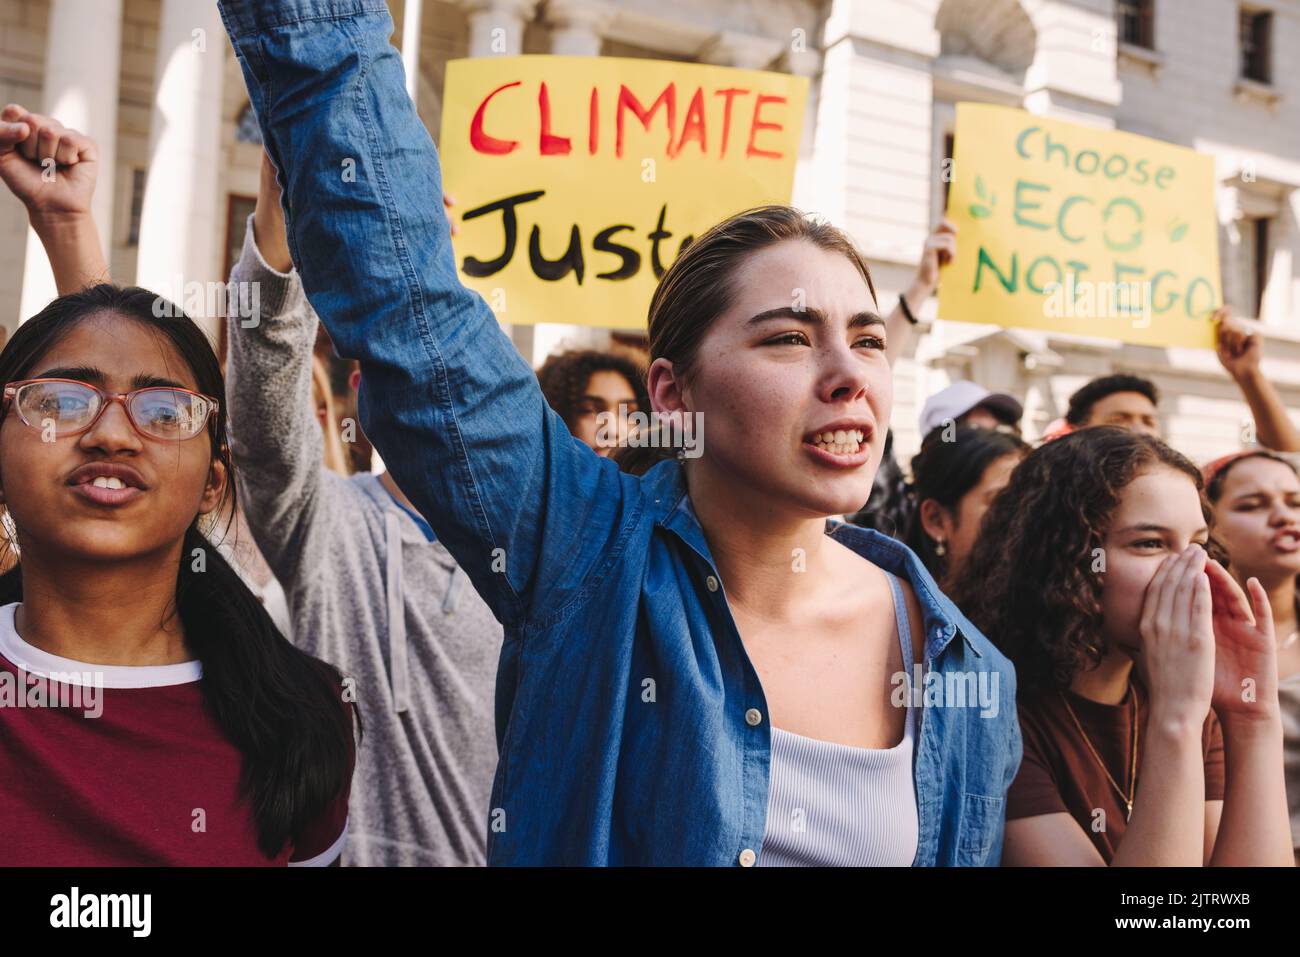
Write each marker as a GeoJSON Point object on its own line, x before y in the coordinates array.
{"type": "Point", "coordinates": [1093, 571]}
{"type": "Point", "coordinates": [953, 482]}
{"type": "Point", "coordinates": [239, 548]}
{"type": "Point", "coordinates": [888, 507]}
{"type": "Point", "coordinates": [209, 739]}
{"type": "Point", "coordinates": [335, 459]}
{"type": "Point", "coordinates": [370, 587]}
{"type": "Point", "coordinates": [1129, 401]}
{"type": "Point", "coordinates": [584, 385]}
{"type": "Point", "coordinates": [1256, 499]}
{"type": "Point", "coordinates": [965, 403]}
{"type": "Point", "coordinates": [962, 403]}
{"type": "Point", "coordinates": [1123, 400]}
{"type": "Point", "coordinates": [687, 652]}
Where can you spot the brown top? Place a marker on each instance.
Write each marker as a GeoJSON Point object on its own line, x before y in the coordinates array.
{"type": "Point", "coordinates": [1059, 773]}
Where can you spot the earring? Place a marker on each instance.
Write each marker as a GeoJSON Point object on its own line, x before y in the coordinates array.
{"type": "Point", "coordinates": [939, 548]}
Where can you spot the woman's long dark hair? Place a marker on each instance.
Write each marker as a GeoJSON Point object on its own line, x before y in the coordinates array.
{"type": "Point", "coordinates": [945, 471]}
{"type": "Point", "coordinates": [279, 706]}
{"type": "Point", "coordinates": [1029, 582]}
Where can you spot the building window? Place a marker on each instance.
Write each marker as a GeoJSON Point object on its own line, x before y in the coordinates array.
{"type": "Point", "coordinates": [246, 128]}
{"type": "Point", "coordinates": [1262, 259]}
{"type": "Point", "coordinates": [1256, 41]}
{"type": "Point", "coordinates": [137, 207]}
{"type": "Point", "coordinates": [1137, 23]}
{"type": "Point", "coordinates": [946, 170]}
{"type": "Point", "coordinates": [1255, 257]}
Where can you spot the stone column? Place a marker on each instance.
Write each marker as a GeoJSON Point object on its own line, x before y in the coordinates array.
{"type": "Point", "coordinates": [496, 27]}
{"type": "Point", "coordinates": [82, 57]}
{"type": "Point", "coordinates": [181, 221]}
{"type": "Point", "coordinates": [411, 17]}
{"type": "Point", "coordinates": [578, 26]}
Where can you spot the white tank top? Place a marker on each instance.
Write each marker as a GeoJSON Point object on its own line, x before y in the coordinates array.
{"type": "Point", "coordinates": [832, 805]}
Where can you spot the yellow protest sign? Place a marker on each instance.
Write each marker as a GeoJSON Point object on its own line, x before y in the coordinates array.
{"type": "Point", "coordinates": [1081, 230]}
{"type": "Point", "coordinates": [577, 180]}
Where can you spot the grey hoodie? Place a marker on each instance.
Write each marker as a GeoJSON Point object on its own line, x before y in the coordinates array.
{"type": "Point", "coordinates": [370, 594]}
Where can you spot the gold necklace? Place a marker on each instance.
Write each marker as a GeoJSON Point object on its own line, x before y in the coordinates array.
{"type": "Point", "coordinates": [1132, 774]}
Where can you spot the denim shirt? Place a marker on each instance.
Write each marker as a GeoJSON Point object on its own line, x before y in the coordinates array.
{"type": "Point", "coordinates": [624, 686]}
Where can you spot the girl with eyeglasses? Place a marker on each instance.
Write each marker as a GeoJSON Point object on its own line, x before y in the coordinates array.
{"type": "Point", "coordinates": [197, 734]}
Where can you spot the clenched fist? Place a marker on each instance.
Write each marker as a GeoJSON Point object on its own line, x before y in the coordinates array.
{"type": "Point", "coordinates": [51, 168]}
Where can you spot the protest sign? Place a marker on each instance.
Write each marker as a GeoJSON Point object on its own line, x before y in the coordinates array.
{"type": "Point", "coordinates": [577, 180]}
{"type": "Point", "coordinates": [1082, 230]}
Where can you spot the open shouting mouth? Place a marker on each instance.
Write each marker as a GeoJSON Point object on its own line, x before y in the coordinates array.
{"type": "Point", "coordinates": [107, 483]}
{"type": "Point", "coordinates": [843, 444]}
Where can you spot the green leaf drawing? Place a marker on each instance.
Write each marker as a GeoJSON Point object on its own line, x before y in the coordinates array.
{"type": "Point", "coordinates": [1177, 231]}
{"type": "Point", "coordinates": [983, 210]}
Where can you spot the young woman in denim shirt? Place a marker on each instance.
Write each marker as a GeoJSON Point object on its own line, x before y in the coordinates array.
{"type": "Point", "coordinates": [659, 628]}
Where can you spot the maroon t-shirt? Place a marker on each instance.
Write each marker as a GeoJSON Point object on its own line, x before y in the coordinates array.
{"type": "Point", "coordinates": [133, 773]}
{"type": "Point", "coordinates": [1059, 773]}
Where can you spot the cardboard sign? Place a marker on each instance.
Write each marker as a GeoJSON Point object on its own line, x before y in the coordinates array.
{"type": "Point", "coordinates": [1081, 230]}
{"type": "Point", "coordinates": [577, 180]}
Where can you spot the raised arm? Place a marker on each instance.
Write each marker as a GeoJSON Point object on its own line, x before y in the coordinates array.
{"type": "Point", "coordinates": [940, 247]}
{"type": "Point", "coordinates": [274, 435]}
{"type": "Point", "coordinates": [455, 411]}
{"type": "Point", "coordinates": [1240, 348]}
{"type": "Point", "coordinates": [52, 170]}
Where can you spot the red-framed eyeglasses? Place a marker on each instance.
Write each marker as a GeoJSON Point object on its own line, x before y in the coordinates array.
{"type": "Point", "coordinates": [71, 407]}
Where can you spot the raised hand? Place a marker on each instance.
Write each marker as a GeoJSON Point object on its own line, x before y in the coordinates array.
{"type": "Point", "coordinates": [940, 248]}
{"type": "Point", "coordinates": [1236, 344]}
{"type": "Point", "coordinates": [268, 221]}
{"type": "Point", "coordinates": [1245, 653]}
{"type": "Point", "coordinates": [51, 168]}
{"type": "Point", "coordinates": [1177, 630]}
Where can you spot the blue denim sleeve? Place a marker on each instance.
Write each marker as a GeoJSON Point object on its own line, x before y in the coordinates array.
{"type": "Point", "coordinates": [1015, 754]}
{"type": "Point", "coordinates": [529, 512]}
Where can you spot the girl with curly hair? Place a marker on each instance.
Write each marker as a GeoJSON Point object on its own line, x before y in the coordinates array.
{"type": "Point", "coordinates": [584, 385]}
{"type": "Point", "coordinates": [1256, 499]}
{"type": "Point", "coordinates": [1095, 575]}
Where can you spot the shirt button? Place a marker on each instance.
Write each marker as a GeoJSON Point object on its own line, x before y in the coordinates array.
{"type": "Point", "coordinates": [747, 858]}
{"type": "Point", "coordinates": [753, 717]}
{"type": "Point", "coordinates": [712, 583]}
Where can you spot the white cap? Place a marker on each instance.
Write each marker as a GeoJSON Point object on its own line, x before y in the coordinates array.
{"type": "Point", "coordinates": [959, 398]}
